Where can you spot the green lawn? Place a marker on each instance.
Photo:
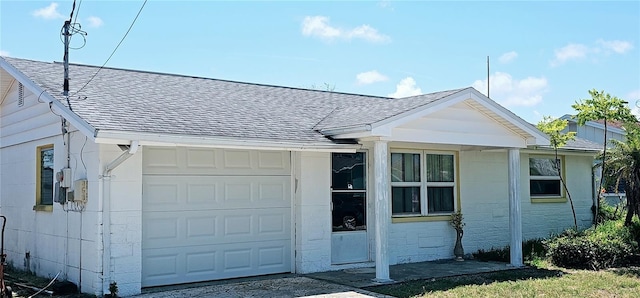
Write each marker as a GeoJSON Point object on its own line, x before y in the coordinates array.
{"type": "Point", "coordinates": [530, 282]}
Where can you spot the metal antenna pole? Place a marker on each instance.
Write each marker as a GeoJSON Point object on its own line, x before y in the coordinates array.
{"type": "Point", "coordinates": [488, 77]}
{"type": "Point", "coordinates": [67, 36]}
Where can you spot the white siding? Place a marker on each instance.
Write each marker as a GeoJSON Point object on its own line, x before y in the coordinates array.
{"type": "Point", "coordinates": [458, 124]}
{"type": "Point", "coordinates": [56, 241]}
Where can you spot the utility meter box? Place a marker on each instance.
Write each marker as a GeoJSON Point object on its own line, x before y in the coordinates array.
{"type": "Point", "coordinates": [80, 191]}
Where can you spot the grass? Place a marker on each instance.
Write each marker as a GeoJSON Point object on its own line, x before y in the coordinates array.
{"type": "Point", "coordinates": [528, 282]}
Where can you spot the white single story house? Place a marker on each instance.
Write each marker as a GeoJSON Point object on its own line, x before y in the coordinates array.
{"type": "Point", "coordinates": [148, 179]}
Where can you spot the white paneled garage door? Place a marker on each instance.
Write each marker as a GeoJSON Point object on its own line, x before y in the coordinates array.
{"type": "Point", "coordinates": [214, 214]}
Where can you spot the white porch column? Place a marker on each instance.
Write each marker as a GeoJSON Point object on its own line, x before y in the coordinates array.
{"type": "Point", "coordinates": [382, 212]}
{"type": "Point", "coordinates": [515, 217]}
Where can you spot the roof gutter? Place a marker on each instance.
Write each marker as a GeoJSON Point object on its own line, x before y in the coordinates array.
{"type": "Point", "coordinates": [150, 139]}
{"type": "Point", "coordinates": [55, 104]}
{"type": "Point", "coordinates": [346, 130]}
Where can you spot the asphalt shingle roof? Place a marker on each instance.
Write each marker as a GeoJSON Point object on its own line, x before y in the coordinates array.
{"type": "Point", "coordinates": [147, 102]}
{"type": "Point", "coordinates": [582, 144]}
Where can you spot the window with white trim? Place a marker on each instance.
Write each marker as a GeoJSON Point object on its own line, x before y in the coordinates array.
{"type": "Point", "coordinates": [544, 178]}
{"type": "Point", "coordinates": [422, 183]}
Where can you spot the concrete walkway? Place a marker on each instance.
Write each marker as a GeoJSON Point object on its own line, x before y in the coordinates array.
{"type": "Point", "coordinates": [333, 284]}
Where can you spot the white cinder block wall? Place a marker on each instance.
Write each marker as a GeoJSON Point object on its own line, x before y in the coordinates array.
{"type": "Point", "coordinates": [312, 211]}
{"type": "Point", "coordinates": [484, 198]}
{"type": "Point", "coordinates": [541, 220]}
{"type": "Point", "coordinates": [42, 242]}
{"type": "Point", "coordinates": [125, 221]}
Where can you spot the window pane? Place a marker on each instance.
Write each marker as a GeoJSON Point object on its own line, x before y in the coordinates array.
{"type": "Point", "coordinates": [545, 187]}
{"type": "Point", "coordinates": [405, 200]}
{"type": "Point", "coordinates": [349, 212]}
{"type": "Point", "coordinates": [348, 171]}
{"type": "Point", "coordinates": [440, 168]}
{"type": "Point", "coordinates": [542, 167]}
{"type": "Point", "coordinates": [46, 176]}
{"type": "Point", "coordinates": [440, 199]}
{"type": "Point", "coordinates": [405, 167]}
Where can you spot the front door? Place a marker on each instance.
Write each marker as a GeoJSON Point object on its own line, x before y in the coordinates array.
{"type": "Point", "coordinates": [349, 242]}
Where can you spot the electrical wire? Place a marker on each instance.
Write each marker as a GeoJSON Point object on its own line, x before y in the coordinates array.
{"type": "Point", "coordinates": [77, 12]}
{"type": "Point", "coordinates": [81, 153]}
{"type": "Point", "coordinates": [115, 49]}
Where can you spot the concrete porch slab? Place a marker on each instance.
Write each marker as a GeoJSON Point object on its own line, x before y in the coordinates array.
{"type": "Point", "coordinates": [364, 277]}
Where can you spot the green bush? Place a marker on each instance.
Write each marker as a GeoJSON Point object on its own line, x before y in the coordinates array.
{"type": "Point", "coordinates": [531, 249]}
{"type": "Point", "coordinates": [607, 245]}
{"type": "Point", "coordinates": [607, 212]}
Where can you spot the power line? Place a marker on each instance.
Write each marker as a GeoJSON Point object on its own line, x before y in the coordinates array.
{"type": "Point", "coordinates": [115, 49]}
{"type": "Point", "coordinates": [77, 12]}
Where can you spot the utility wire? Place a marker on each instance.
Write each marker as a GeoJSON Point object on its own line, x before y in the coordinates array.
{"type": "Point", "coordinates": [114, 50]}
{"type": "Point", "coordinates": [77, 12]}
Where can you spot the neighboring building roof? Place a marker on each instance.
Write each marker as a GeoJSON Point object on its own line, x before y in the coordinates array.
{"type": "Point", "coordinates": [613, 126]}
{"type": "Point", "coordinates": [582, 144]}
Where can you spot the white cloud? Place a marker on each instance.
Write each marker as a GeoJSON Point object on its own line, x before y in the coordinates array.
{"type": "Point", "coordinates": [508, 57]}
{"type": "Point", "coordinates": [406, 87]}
{"type": "Point", "coordinates": [95, 22]}
{"type": "Point", "coordinates": [48, 13]}
{"type": "Point", "coordinates": [318, 26]}
{"type": "Point", "coordinates": [370, 77]}
{"type": "Point", "coordinates": [576, 51]}
{"type": "Point", "coordinates": [513, 92]}
{"type": "Point", "coordinates": [4, 53]}
{"type": "Point", "coordinates": [618, 46]}
{"type": "Point", "coordinates": [572, 51]}
{"type": "Point", "coordinates": [634, 101]}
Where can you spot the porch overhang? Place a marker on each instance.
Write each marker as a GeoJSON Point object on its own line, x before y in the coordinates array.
{"type": "Point", "coordinates": [466, 118]}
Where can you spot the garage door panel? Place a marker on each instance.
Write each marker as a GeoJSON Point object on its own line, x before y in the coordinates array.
{"type": "Point", "coordinates": [200, 263]}
{"type": "Point", "coordinates": [201, 161]}
{"type": "Point", "coordinates": [162, 193]}
{"type": "Point", "coordinates": [203, 227]}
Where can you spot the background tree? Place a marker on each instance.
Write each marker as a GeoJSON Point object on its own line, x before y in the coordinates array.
{"type": "Point", "coordinates": [624, 161]}
{"type": "Point", "coordinates": [602, 106]}
{"type": "Point", "coordinates": [553, 128]}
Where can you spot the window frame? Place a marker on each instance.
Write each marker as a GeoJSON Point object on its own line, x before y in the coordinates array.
{"type": "Point", "coordinates": [39, 206]}
{"type": "Point", "coordinates": [424, 185]}
{"type": "Point", "coordinates": [554, 198]}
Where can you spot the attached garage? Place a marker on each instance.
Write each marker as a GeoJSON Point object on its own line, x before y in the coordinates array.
{"type": "Point", "coordinates": [212, 214]}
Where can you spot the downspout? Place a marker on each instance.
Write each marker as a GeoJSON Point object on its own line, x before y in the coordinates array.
{"type": "Point", "coordinates": [105, 213]}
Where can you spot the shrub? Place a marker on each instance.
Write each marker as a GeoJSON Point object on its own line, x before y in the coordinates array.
{"type": "Point", "coordinates": [531, 249]}
{"type": "Point", "coordinates": [607, 212]}
{"type": "Point", "coordinates": [607, 245]}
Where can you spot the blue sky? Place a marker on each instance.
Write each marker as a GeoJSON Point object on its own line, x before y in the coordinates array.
{"type": "Point", "coordinates": [544, 55]}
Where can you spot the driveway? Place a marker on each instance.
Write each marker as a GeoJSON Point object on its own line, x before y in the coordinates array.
{"type": "Point", "coordinates": [274, 287]}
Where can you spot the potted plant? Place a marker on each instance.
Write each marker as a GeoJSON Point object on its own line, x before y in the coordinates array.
{"type": "Point", "coordinates": [457, 223]}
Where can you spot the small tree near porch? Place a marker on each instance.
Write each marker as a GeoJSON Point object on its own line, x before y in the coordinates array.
{"type": "Point", "coordinates": [602, 106]}
{"type": "Point", "coordinates": [553, 128]}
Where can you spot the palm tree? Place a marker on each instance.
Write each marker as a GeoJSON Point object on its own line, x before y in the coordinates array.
{"type": "Point", "coordinates": [624, 160]}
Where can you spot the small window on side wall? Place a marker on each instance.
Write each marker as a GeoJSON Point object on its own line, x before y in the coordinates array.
{"type": "Point", "coordinates": [44, 178]}
{"type": "Point", "coordinates": [544, 177]}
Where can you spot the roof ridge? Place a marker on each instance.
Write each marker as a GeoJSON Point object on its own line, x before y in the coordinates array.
{"type": "Point", "coordinates": [215, 79]}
